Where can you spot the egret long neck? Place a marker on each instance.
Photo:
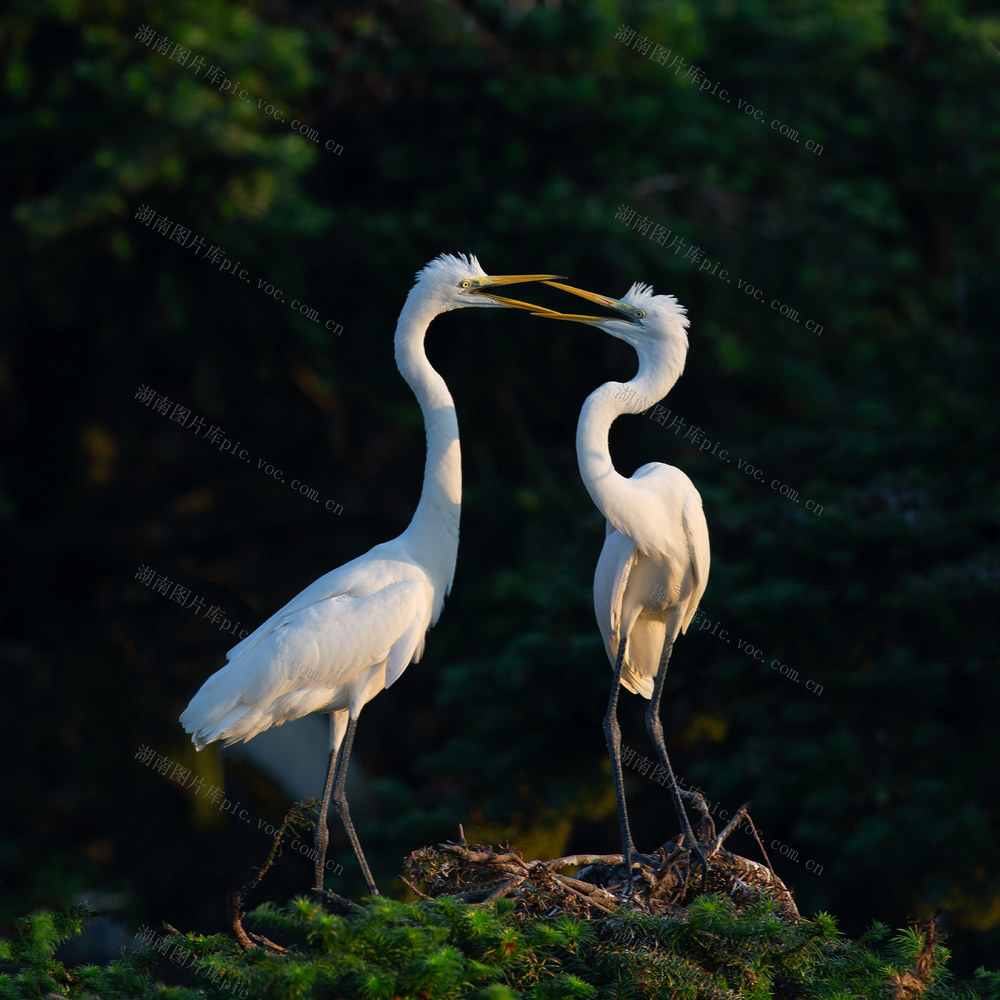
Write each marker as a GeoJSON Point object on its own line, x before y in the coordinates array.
{"type": "Point", "coordinates": [607, 487]}
{"type": "Point", "coordinates": [433, 533]}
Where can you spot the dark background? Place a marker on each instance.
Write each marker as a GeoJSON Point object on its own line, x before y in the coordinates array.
{"type": "Point", "coordinates": [517, 131]}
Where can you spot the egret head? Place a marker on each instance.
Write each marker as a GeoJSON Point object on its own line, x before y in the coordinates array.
{"type": "Point", "coordinates": [641, 318]}
{"type": "Point", "coordinates": [456, 281]}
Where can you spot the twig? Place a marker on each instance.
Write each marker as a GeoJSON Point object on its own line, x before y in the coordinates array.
{"type": "Point", "coordinates": [730, 826]}
{"type": "Point", "coordinates": [589, 900]}
{"type": "Point", "coordinates": [235, 903]}
{"type": "Point", "coordinates": [484, 894]}
{"type": "Point", "coordinates": [913, 982]}
{"type": "Point", "coordinates": [509, 862]}
{"type": "Point", "coordinates": [346, 904]}
{"type": "Point", "coordinates": [406, 882]}
{"type": "Point", "coordinates": [756, 837]}
{"type": "Point", "coordinates": [236, 899]}
{"type": "Point", "coordinates": [584, 859]}
{"type": "Point", "coordinates": [267, 942]}
{"type": "Point", "coordinates": [585, 888]}
{"type": "Point", "coordinates": [502, 890]}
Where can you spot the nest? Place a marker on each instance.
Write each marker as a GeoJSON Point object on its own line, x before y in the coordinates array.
{"type": "Point", "coordinates": [663, 884]}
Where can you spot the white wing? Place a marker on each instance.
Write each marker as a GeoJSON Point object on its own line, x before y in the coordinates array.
{"type": "Point", "coordinates": [619, 583]}
{"type": "Point", "coordinates": [696, 531]}
{"type": "Point", "coordinates": [613, 567]}
{"type": "Point", "coordinates": [652, 571]}
{"type": "Point", "coordinates": [648, 511]}
{"type": "Point", "coordinates": [335, 653]}
{"type": "Point", "coordinates": [363, 575]}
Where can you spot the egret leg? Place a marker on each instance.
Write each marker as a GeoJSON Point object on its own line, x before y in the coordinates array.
{"type": "Point", "coordinates": [613, 735]}
{"type": "Point", "coordinates": [340, 804]}
{"type": "Point", "coordinates": [322, 833]}
{"type": "Point", "coordinates": [337, 728]}
{"type": "Point", "coordinates": [655, 729]}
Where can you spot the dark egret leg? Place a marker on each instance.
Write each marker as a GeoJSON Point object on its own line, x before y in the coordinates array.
{"type": "Point", "coordinates": [655, 729]}
{"type": "Point", "coordinates": [340, 804]}
{"type": "Point", "coordinates": [322, 833]}
{"type": "Point", "coordinates": [336, 777]}
{"type": "Point", "coordinates": [613, 735]}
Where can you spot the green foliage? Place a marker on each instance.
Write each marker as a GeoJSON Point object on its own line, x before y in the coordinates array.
{"type": "Point", "coordinates": [39, 934]}
{"type": "Point", "coordinates": [443, 949]}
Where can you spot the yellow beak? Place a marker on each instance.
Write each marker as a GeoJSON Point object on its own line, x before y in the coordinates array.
{"type": "Point", "coordinates": [510, 279]}
{"type": "Point", "coordinates": [602, 300]}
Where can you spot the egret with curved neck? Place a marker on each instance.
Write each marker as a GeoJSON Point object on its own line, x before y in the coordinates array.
{"type": "Point", "coordinates": [353, 631]}
{"type": "Point", "coordinates": [653, 568]}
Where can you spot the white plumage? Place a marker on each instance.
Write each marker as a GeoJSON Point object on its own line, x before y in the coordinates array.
{"type": "Point", "coordinates": [653, 568]}
{"type": "Point", "coordinates": [332, 648]}
{"type": "Point", "coordinates": [650, 595]}
{"type": "Point", "coordinates": [354, 631]}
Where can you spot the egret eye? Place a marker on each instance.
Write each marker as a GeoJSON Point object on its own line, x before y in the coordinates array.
{"type": "Point", "coordinates": [641, 314]}
{"type": "Point", "coordinates": [465, 284]}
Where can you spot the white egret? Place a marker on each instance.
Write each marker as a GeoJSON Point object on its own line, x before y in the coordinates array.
{"type": "Point", "coordinates": [653, 568]}
{"type": "Point", "coordinates": [353, 631]}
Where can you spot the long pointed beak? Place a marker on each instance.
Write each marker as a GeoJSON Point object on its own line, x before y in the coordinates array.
{"type": "Point", "coordinates": [603, 300]}
{"type": "Point", "coordinates": [511, 279]}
